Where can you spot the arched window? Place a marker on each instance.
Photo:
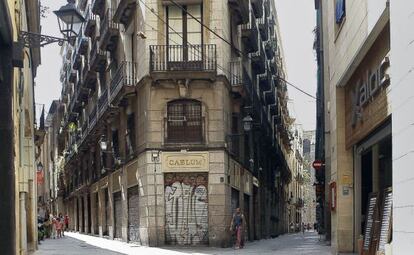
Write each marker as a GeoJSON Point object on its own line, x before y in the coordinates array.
{"type": "Point", "coordinates": [184, 121]}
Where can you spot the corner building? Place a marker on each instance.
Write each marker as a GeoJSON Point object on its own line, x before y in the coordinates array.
{"type": "Point", "coordinates": [152, 135]}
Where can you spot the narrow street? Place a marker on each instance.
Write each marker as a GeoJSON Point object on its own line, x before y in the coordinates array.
{"type": "Point", "coordinates": [75, 243]}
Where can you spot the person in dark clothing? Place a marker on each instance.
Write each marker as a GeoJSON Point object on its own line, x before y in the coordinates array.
{"type": "Point", "coordinates": [237, 225]}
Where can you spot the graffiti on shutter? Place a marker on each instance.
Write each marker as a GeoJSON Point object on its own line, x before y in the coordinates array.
{"type": "Point", "coordinates": [118, 214]}
{"type": "Point", "coordinates": [133, 215]}
{"type": "Point", "coordinates": [186, 208]}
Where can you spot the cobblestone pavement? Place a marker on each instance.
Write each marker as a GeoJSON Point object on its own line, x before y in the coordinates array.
{"type": "Point", "coordinates": [74, 243]}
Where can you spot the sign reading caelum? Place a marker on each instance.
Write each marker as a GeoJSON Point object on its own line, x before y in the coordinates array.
{"type": "Point", "coordinates": [185, 161]}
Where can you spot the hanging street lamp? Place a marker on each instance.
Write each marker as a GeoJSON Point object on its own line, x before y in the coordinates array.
{"type": "Point", "coordinates": [68, 19]}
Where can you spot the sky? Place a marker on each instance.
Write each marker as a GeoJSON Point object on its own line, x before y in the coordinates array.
{"type": "Point", "coordinates": [297, 19]}
{"type": "Point", "coordinates": [296, 25]}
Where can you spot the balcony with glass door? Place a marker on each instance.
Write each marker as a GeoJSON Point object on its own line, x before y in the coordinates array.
{"type": "Point", "coordinates": [184, 55]}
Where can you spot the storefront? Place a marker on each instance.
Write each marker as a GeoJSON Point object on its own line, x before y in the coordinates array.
{"type": "Point", "coordinates": [186, 198]}
{"type": "Point", "coordinates": [368, 141]}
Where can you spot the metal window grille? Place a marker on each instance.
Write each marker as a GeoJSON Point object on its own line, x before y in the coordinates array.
{"type": "Point", "coordinates": [184, 121]}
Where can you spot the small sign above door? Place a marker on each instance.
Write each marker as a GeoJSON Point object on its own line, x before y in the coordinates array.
{"type": "Point", "coordinates": [185, 161]}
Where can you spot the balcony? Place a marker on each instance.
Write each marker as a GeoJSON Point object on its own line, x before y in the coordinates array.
{"type": "Point", "coordinates": [236, 72]}
{"type": "Point", "coordinates": [73, 76]}
{"type": "Point", "coordinates": [267, 8]}
{"type": "Point", "coordinates": [90, 23]}
{"type": "Point", "coordinates": [270, 48]}
{"type": "Point", "coordinates": [250, 35]}
{"type": "Point", "coordinates": [103, 102]}
{"type": "Point", "coordinates": [76, 61]}
{"type": "Point", "coordinates": [257, 6]}
{"type": "Point", "coordinates": [168, 62]}
{"type": "Point", "coordinates": [123, 82]}
{"type": "Point", "coordinates": [270, 96]}
{"type": "Point", "coordinates": [273, 66]}
{"type": "Point", "coordinates": [125, 12]}
{"type": "Point", "coordinates": [241, 9]}
{"type": "Point", "coordinates": [83, 45]}
{"type": "Point", "coordinates": [109, 32]}
{"type": "Point", "coordinates": [258, 60]}
{"type": "Point", "coordinates": [84, 130]}
{"type": "Point", "coordinates": [263, 28]}
{"type": "Point", "coordinates": [98, 7]}
{"type": "Point", "coordinates": [92, 117]}
{"type": "Point", "coordinates": [265, 81]}
{"type": "Point", "coordinates": [98, 59]}
{"type": "Point", "coordinates": [81, 95]}
{"type": "Point", "coordinates": [90, 78]}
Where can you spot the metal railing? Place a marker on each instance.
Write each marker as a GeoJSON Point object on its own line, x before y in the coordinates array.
{"type": "Point", "coordinates": [179, 131]}
{"type": "Point", "coordinates": [103, 102]}
{"type": "Point", "coordinates": [107, 22]}
{"type": "Point", "coordinates": [236, 72]}
{"type": "Point", "coordinates": [200, 57]}
{"type": "Point", "coordinates": [124, 76]}
{"type": "Point", "coordinates": [92, 117]}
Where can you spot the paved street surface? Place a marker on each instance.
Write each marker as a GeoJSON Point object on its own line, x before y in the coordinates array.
{"type": "Point", "coordinates": [74, 243]}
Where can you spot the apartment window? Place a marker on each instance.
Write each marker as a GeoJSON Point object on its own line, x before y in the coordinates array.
{"type": "Point", "coordinates": [130, 135]}
{"type": "Point", "coordinates": [339, 11]}
{"type": "Point", "coordinates": [184, 37]}
{"type": "Point", "coordinates": [184, 121]}
{"type": "Point", "coordinates": [182, 28]}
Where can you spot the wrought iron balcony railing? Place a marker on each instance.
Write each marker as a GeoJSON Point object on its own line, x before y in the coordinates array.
{"type": "Point", "coordinates": [236, 72]}
{"type": "Point", "coordinates": [90, 23]}
{"type": "Point", "coordinates": [98, 58]}
{"type": "Point", "coordinates": [109, 31]}
{"type": "Point", "coordinates": [124, 78]}
{"type": "Point", "coordinates": [250, 34]}
{"type": "Point", "coordinates": [174, 58]}
{"type": "Point", "coordinates": [103, 102]}
{"type": "Point", "coordinates": [92, 117]}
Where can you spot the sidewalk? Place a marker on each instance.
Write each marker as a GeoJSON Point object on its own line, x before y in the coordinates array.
{"type": "Point", "coordinates": [75, 243]}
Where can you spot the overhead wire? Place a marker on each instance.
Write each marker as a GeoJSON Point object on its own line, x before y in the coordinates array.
{"type": "Point", "coordinates": [231, 45]}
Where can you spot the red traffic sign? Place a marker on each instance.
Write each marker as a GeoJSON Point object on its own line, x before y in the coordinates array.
{"type": "Point", "coordinates": [318, 164]}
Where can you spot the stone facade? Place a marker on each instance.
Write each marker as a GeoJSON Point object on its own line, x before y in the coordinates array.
{"type": "Point", "coordinates": [153, 139]}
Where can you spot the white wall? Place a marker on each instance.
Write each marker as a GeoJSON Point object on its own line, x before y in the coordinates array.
{"type": "Point", "coordinates": [402, 103]}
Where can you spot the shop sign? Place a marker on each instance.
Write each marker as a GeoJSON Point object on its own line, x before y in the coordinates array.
{"type": "Point", "coordinates": [185, 161]}
{"type": "Point", "coordinates": [367, 88]}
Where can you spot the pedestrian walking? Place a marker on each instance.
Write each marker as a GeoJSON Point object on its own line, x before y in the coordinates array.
{"type": "Point", "coordinates": [62, 223]}
{"type": "Point", "coordinates": [66, 222]}
{"type": "Point", "coordinates": [53, 226]}
{"type": "Point", "coordinates": [237, 227]}
{"type": "Point", "coordinates": [58, 226]}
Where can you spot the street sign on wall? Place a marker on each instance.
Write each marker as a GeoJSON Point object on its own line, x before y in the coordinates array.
{"type": "Point", "coordinates": [318, 164]}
